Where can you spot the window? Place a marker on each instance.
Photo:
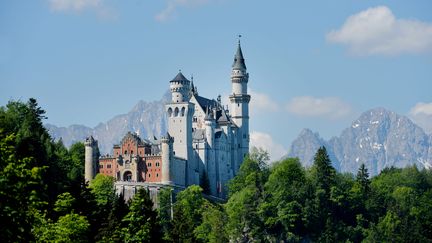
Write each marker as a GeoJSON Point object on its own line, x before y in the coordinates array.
{"type": "Point", "coordinates": [148, 164]}
{"type": "Point", "coordinates": [183, 111]}
{"type": "Point", "coordinates": [125, 152]}
{"type": "Point", "coordinates": [101, 166]}
{"type": "Point", "coordinates": [157, 175]}
{"type": "Point", "coordinates": [131, 151]}
{"type": "Point", "coordinates": [176, 111]}
{"type": "Point", "coordinates": [149, 175]}
{"type": "Point", "coordinates": [170, 112]}
{"type": "Point", "coordinates": [109, 166]}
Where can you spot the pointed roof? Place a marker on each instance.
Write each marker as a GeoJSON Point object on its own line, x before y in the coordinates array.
{"type": "Point", "coordinates": [179, 77]}
{"type": "Point", "coordinates": [239, 61]}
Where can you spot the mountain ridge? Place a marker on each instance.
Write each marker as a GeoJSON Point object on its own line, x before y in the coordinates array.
{"type": "Point", "coordinates": [147, 119]}
{"type": "Point", "coordinates": [379, 138]}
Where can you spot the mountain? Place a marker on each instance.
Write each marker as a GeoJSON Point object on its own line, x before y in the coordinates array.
{"type": "Point", "coordinates": [378, 138]}
{"type": "Point", "coordinates": [147, 119]}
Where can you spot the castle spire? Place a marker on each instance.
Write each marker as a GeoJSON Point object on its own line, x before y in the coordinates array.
{"type": "Point", "coordinates": [239, 62]}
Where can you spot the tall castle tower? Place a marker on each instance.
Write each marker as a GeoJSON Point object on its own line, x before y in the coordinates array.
{"type": "Point", "coordinates": [180, 112]}
{"type": "Point", "coordinates": [91, 158]}
{"type": "Point", "coordinates": [240, 103]}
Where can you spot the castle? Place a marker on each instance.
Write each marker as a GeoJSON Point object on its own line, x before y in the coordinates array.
{"type": "Point", "coordinates": [205, 143]}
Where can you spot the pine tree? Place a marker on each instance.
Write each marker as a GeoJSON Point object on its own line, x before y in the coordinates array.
{"type": "Point", "coordinates": [363, 181]}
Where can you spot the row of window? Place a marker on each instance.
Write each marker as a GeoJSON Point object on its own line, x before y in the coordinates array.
{"type": "Point", "coordinates": [108, 166]}
{"type": "Point", "coordinates": [149, 175]}
{"type": "Point", "coordinates": [176, 112]}
{"type": "Point", "coordinates": [150, 164]}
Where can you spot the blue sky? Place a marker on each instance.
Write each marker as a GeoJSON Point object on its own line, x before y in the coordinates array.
{"type": "Point", "coordinates": [314, 64]}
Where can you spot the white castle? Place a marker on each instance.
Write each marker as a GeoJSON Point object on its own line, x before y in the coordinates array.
{"type": "Point", "coordinates": [205, 144]}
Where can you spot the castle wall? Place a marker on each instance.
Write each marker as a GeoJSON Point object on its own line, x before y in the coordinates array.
{"type": "Point", "coordinates": [153, 172]}
{"type": "Point", "coordinates": [108, 166]}
{"type": "Point", "coordinates": [179, 171]}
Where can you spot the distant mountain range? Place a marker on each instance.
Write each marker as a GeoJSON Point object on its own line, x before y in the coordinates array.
{"type": "Point", "coordinates": [378, 138]}
{"type": "Point", "coordinates": [147, 119]}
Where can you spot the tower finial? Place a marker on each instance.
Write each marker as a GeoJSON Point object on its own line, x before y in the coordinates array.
{"type": "Point", "coordinates": [239, 36]}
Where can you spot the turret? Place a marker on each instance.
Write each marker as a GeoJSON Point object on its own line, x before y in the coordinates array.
{"type": "Point", "coordinates": [180, 88]}
{"type": "Point", "coordinates": [91, 158]}
{"type": "Point", "coordinates": [167, 156]}
{"type": "Point", "coordinates": [240, 104]}
{"type": "Point", "coordinates": [210, 125]}
{"type": "Point", "coordinates": [179, 115]}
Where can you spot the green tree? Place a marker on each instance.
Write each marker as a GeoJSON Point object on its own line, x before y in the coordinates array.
{"type": "Point", "coordinates": [102, 187]}
{"type": "Point", "coordinates": [212, 228]}
{"type": "Point", "coordinates": [323, 175]}
{"type": "Point", "coordinates": [246, 193]}
{"type": "Point", "coordinates": [165, 212]}
{"type": "Point", "coordinates": [141, 223]}
{"type": "Point", "coordinates": [69, 228]}
{"type": "Point", "coordinates": [284, 197]}
{"type": "Point", "coordinates": [187, 213]}
{"type": "Point", "coordinates": [20, 187]}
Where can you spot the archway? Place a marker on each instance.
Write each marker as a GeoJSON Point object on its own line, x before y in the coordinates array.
{"type": "Point", "coordinates": [127, 176]}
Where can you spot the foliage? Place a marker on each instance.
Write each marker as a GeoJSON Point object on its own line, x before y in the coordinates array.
{"type": "Point", "coordinates": [187, 213]}
{"type": "Point", "coordinates": [141, 222]}
{"type": "Point", "coordinates": [20, 187]}
{"type": "Point", "coordinates": [212, 228]}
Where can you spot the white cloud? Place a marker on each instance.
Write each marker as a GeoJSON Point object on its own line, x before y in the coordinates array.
{"type": "Point", "coordinates": [421, 114]}
{"type": "Point", "coordinates": [77, 6]}
{"type": "Point", "coordinates": [266, 142]}
{"type": "Point", "coordinates": [261, 103]}
{"type": "Point", "coordinates": [173, 5]}
{"type": "Point", "coordinates": [74, 5]}
{"type": "Point", "coordinates": [377, 31]}
{"type": "Point", "coordinates": [327, 107]}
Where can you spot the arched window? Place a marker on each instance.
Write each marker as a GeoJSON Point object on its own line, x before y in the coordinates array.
{"type": "Point", "coordinates": [127, 176]}
{"type": "Point", "coordinates": [176, 111]}
{"type": "Point", "coordinates": [169, 112]}
{"type": "Point", "coordinates": [183, 111]}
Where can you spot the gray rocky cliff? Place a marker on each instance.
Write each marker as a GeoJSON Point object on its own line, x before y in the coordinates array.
{"type": "Point", "coordinates": [147, 119]}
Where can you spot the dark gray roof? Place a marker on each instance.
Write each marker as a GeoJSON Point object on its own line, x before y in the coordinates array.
{"type": "Point", "coordinates": [179, 77]}
{"type": "Point", "coordinates": [239, 61]}
{"type": "Point", "coordinates": [223, 118]}
{"type": "Point", "coordinates": [206, 103]}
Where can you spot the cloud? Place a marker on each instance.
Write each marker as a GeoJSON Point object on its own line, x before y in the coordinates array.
{"type": "Point", "coordinates": [261, 103]}
{"type": "Point", "coordinates": [266, 142]}
{"type": "Point", "coordinates": [327, 107]}
{"type": "Point", "coordinates": [376, 31]}
{"type": "Point", "coordinates": [77, 6]}
{"type": "Point", "coordinates": [173, 5]}
{"type": "Point", "coordinates": [421, 114]}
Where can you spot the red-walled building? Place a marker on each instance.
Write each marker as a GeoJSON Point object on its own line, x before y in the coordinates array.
{"type": "Point", "coordinates": [133, 160]}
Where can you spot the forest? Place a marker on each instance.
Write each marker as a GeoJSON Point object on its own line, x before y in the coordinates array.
{"type": "Point", "coordinates": [43, 198]}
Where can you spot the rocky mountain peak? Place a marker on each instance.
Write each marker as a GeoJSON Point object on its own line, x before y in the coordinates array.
{"type": "Point", "coordinates": [379, 138]}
